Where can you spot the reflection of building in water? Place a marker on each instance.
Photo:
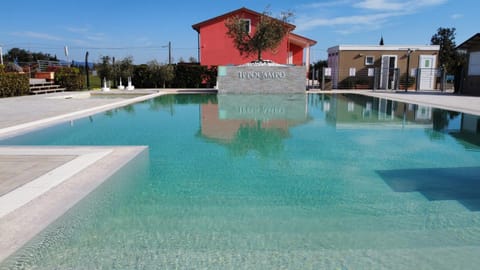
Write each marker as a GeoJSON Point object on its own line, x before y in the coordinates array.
{"type": "Point", "coordinates": [468, 131]}
{"type": "Point", "coordinates": [357, 111]}
{"type": "Point", "coordinates": [225, 130]}
{"type": "Point", "coordinates": [470, 123]}
{"type": "Point", "coordinates": [226, 121]}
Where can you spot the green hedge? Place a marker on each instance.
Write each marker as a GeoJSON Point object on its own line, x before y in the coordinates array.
{"type": "Point", "coordinates": [13, 84]}
{"type": "Point", "coordinates": [70, 78]}
{"type": "Point", "coordinates": [188, 75]}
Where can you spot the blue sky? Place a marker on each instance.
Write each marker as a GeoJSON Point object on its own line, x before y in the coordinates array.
{"type": "Point", "coordinates": [143, 28]}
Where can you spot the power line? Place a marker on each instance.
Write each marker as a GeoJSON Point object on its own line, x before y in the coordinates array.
{"type": "Point", "coordinates": [43, 46]}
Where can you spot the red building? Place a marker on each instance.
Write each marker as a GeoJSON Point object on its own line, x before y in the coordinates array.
{"type": "Point", "coordinates": [216, 48]}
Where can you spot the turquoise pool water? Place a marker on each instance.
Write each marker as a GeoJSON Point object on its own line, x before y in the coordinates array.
{"type": "Point", "coordinates": [272, 182]}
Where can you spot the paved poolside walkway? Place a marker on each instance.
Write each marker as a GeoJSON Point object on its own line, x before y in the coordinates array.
{"type": "Point", "coordinates": [20, 166]}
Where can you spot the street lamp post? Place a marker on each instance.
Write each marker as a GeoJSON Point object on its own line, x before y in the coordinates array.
{"type": "Point", "coordinates": [409, 51]}
{"type": "Point", "coordinates": [86, 71]}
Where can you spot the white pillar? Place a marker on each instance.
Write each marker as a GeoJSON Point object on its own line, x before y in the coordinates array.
{"type": "Point", "coordinates": [307, 58]}
{"type": "Point", "coordinates": [1, 55]}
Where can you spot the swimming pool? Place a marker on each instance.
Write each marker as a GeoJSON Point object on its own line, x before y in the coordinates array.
{"type": "Point", "coordinates": [269, 182]}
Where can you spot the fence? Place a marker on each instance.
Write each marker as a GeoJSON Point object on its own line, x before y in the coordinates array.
{"type": "Point", "coordinates": [31, 68]}
{"type": "Point", "coordinates": [44, 64]}
{"type": "Point", "coordinates": [381, 79]}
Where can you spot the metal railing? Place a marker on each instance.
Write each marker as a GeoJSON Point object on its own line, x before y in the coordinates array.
{"type": "Point", "coordinates": [384, 79]}
{"type": "Point", "coordinates": [44, 64]}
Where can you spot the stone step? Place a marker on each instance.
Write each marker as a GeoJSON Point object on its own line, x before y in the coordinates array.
{"type": "Point", "coordinates": [44, 87]}
{"type": "Point", "coordinates": [48, 90]}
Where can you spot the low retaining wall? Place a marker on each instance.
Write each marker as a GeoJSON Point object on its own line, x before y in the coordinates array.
{"type": "Point", "coordinates": [261, 79]}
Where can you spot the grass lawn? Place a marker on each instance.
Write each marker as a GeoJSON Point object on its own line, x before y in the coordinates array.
{"type": "Point", "coordinates": [95, 82]}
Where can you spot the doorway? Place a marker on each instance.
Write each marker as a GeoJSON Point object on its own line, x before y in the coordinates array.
{"type": "Point", "coordinates": [427, 72]}
{"type": "Point", "coordinates": [387, 72]}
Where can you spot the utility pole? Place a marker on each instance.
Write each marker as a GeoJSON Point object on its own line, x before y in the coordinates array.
{"type": "Point", "coordinates": [169, 53]}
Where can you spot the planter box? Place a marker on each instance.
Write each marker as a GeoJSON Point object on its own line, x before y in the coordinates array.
{"type": "Point", "coordinates": [45, 75]}
{"type": "Point", "coordinates": [362, 86]}
{"type": "Point", "coordinates": [402, 87]}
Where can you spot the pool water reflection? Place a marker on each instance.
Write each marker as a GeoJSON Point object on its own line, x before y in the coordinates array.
{"type": "Point", "coordinates": [268, 182]}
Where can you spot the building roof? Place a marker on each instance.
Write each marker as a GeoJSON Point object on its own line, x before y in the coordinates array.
{"type": "Point", "coordinates": [293, 38]}
{"type": "Point", "coordinates": [384, 47]}
{"type": "Point", "coordinates": [300, 40]}
{"type": "Point", "coordinates": [474, 41]}
{"type": "Point", "coordinates": [197, 26]}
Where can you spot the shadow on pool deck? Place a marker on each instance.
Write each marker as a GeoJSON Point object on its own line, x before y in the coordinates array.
{"type": "Point", "coordinates": [461, 184]}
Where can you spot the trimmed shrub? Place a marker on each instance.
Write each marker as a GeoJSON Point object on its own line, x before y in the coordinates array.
{"type": "Point", "coordinates": [70, 78]}
{"type": "Point", "coordinates": [181, 75]}
{"type": "Point", "coordinates": [188, 75]}
{"type": "Point", "coordinates": [13, 84]}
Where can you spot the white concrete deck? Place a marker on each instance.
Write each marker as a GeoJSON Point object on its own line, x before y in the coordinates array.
{"type": "Point", "coordinates": [28, 209]}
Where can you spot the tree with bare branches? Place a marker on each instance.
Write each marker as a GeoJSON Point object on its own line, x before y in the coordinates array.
{"type": "Point", "coordinates": [268, 34]}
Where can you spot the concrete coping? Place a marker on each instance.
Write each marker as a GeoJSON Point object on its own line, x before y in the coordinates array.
{"type": "Point", "coordinates": [30, 208]}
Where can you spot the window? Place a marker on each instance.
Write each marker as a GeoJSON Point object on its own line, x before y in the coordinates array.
{"type": "Point", "coordinates": [369, 60]}
{"type": "Point", "coordinates": [474, 64]}
{"type": "Point", "coordinates": [246, 24]}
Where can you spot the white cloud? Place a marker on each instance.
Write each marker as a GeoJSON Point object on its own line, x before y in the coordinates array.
{"type": "Point", "coordinates": [79, 30]}
{"type": "Point", "coordinates": [79, 42]}
{"type": "Point", "coordinates": [359, 14]}
{"type": "Point", "coordinates": [388, 5]}
{"type": "Point", "coordinates": [381, 5]}
{"type": "Point", "coordinates": [96, 37]}
{"type": "Point", "coordinates": [325, 4]}
{"type": "Point", "coordinates": [36, 35]}
{"type": "Point", "coordinates": [354, 20]}
{"type": "Point", "coordinates": [456, 16]}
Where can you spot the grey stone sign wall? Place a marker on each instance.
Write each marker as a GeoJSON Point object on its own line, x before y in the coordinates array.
{"type": "Point", "coordinates": [261, 79]}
